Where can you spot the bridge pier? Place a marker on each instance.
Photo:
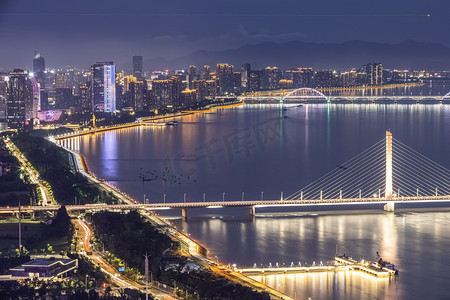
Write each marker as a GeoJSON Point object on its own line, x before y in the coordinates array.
{"type": "Point", "coordinates": [389, 207]}
{"type": "Point", "coordinates": [184, 213]}
{"type": "Point", "coordinates": [251, 211]}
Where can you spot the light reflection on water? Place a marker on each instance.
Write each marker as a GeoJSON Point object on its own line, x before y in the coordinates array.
{"type": "Point", "coordinates": [319, 137]}
{"type": "Point", "coordinates": [416, 240]}
{"type": "Point", "coordinates": [332, 285]}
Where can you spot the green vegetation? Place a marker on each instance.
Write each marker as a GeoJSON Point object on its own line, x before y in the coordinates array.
{"type": "Point", "coordinates": [54, 165]}
{"type": "Point", "coordinates": [37, 237]}
{"type": "Point", "coordinates": [13, 185]}
{"type": "Point", "coordinates": [129, 237]}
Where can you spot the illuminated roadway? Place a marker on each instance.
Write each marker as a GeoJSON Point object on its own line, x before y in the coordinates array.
{"type": "Point", "coordinates": [33, 176]}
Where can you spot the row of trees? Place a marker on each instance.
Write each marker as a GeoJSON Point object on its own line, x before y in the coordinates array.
{"type": "Point", "coordinates": [129, 237]}
{"type": "Point", "coordinates": [53, 164]}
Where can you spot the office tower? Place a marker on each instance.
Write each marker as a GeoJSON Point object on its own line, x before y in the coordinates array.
{"type": "Point", "coordinates": [137, 95]}
{"type": "Point", "coordinates": [19, 96]}
{"type": "Point", "coordinates": [39, 75]}
{"type": "Point", "coordinates": [126, 83]}
{"type": "Point", "coordinates": [103, 87]}
{"type": "Point", "coordinates": [63, 98]}
{"type": "Point", "coordinates": [38, 63]}
{"type": "Point", "coordinates": [31, 108]}
{"type": "Point", "coordinates": [374, 73]}
{"type": "Point", "coordinates": [86, 98]}
{"type": "Point", "coordinates": [245, 73]}
{"type": "Point", "coordinates": [211, 87]}
{"type": "Point", "coordinates": [301, 77]}
{"type": "Point", "coordinates": [137, 67]}
{"type": "Point", "coordinates": [61, 81]}
{"type": "Point", "coordinates": [3, 93]}
{"type": "Point", "coordinates": [271, 77]}
{"type": "Point", "coordinates": [201, 90]}
{"type": "Point", "coordinates": [166, 93]}
{"type": "Point", "coordinates": [254, 81]}
{"type": "Point", "coordinates": [225, 77]}
{"type": "Point", "coordinates": [324, 78]}
{"type": "Point", "coordinates": [206, 72]}
{"type": "Point", "coordinates": [188, 98]}
{"type": "Point", "coordinates": [237, 81]}
{"type": "Point", "coordinates": [193, 72]}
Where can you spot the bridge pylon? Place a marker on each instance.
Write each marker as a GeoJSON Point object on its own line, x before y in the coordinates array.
{"type": "Point", "coordinates": [388, 184]}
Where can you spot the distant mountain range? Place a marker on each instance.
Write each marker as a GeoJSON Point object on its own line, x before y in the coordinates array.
{"type": "Point", "coordinates": [404, 55]}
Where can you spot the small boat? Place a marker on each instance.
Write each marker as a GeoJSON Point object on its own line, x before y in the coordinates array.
{"type": "Point", "coordinates": [172, 123]}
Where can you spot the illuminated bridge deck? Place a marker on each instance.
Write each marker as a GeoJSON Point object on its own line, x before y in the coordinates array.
{"type": "Point", "coordinates": [253, 204]}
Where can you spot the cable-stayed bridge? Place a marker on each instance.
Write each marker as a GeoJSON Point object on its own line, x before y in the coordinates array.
{"type": "Point", "coordinates": [386, 173]}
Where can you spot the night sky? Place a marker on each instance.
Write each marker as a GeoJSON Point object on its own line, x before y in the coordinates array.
{"type": "Point", "coordinates": [83, 31]}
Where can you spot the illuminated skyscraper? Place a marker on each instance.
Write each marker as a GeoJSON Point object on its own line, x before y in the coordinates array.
{"type": "Point", "coordinates": [61, 81]}
{"type": "Point", "coordinates": [206, 72]}
{"type": "Point", "coordinates": [271, 77]}
{"type": "Point", "coordinates": [19, 96]}
{"type": "Point", "coordinates": [137, 95]}
{"type": "Point", "coordinates": [104, 87]}
{"type": "Point", "coordinates": [3, 92]}
{"type": "Point", "coordinates": [38, 64]}
{"type": "Point", "coordinates": [137, 67]}
{"type": "Point", "coordinates": [245, 73]}
{"type": "Point", "coordinates": [225, 76]}
{"type": "Point", "coordinates": [374, 73]}
{"type": "Point", "coordinates": [39, 75]}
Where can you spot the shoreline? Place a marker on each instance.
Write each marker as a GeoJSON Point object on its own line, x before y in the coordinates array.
{"type": "Point", "coordinates": [194, 249]}
{"type": "Point", "coordinates": [145, 120]}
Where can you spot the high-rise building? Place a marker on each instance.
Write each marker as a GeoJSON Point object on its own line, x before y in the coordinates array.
{"type": "Point", "coordinates": [193, 72]}
{"type": "Point", "coordinates": [31, 108]}
{"type": "Point", "coordinates": [104, 87]}
{"type": "Point", "coordinates": [206, 72]}
{"type": "Point", "coordinates": [254, 81]}
{"type": "Point", "coordinates": [38, 63]}
{"type": "Point", "coordinates": [3, 93]}
{"type": "Point", "coordinates": [374, 73]}
{"type": "Point", "coordinates": [225, 77]}
{"type": "Point", "coordinates": [19, 96]}
{"type": "Point", "coordinates": [137, 66]}
{"type": "Point", "coordinates": [301, 77]}
{"type": "Point", "coordinates": [188, 98]}
{"type": "Point", "coordinates": [86, 98]}
{"type": "Point", "coordinates": [245, 73]}
{"type": "Point", "coordinates": [323, 78]}
{"type": "Point", "coordinates": [39, 75]}
{"type": "Point", "coordinates": [166, 93]}
{"type": "Point", "coordinates": [137, 95]}
{"type": "Point", "coordinates": [126, 83]}
{"type": "Point", "coordinates": [61, 80]}
{"type": "Point", "coordinates": [63, 98]}
{"type": "Point", "coordinates": [271, 77]}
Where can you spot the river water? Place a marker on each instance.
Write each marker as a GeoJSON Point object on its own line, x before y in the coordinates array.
{"type": "Point", "coordinates": [256, 150]}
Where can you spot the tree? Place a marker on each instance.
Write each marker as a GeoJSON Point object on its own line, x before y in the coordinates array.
{"type": "Point", "coordinates": [62, 222]}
